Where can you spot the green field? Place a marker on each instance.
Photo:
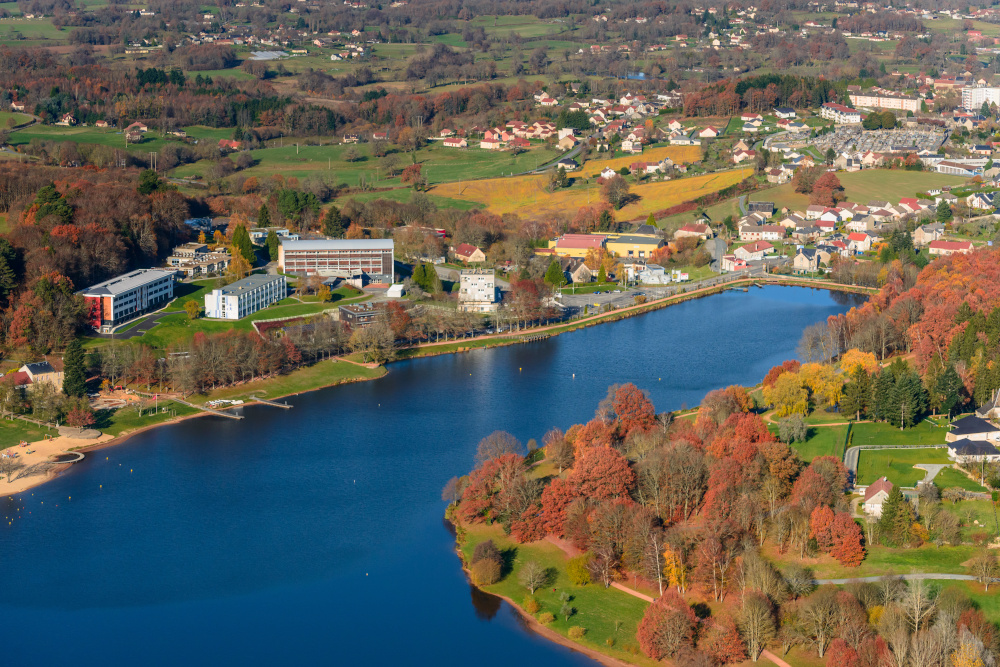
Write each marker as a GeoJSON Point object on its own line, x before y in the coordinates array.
{"type": "Point", "coordinates": [950, 477]}
{"type": "Point", "coordinates": [881, 560]}
{"type": "Point", "coordinates": [18, 118]}
{"type": "Point", "coordinates": [866, 185]}
{"type": "Point", "coordinates": [405, 194]}
{"type": "Point", "coordinates": [606, 613]}
{"type": "Point", "coordinates": [897, 465]}
{"type": "Point", "coordinates": [821, 441]}
{"type": "Point", "coordinates": [886, 435]}
{"type": "Point", "coordinates": [116, 422]}
{"type": "Point", "coordinates": [15, 30]}
{"type": "Point", "coordinates": [303, 379]}
{"type": "Point", "coordinates": [13, 431]}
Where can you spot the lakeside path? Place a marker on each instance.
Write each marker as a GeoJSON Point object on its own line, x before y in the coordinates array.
{"type": "Point", "coordinates": [612, 315]}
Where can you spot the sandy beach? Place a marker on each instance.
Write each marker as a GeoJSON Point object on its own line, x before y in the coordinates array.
{"type": "Point", "coordinates": [38, 466]}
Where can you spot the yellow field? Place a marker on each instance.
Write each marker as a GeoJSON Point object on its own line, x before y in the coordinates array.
{"type": "Point", "coordinates": [529, 197]}
{"type": "Point", "coordinates": [685, 154]}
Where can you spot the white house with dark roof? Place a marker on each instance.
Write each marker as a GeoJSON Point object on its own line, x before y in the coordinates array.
{"type": "Point", "coordinates": [967, 451]}
{"type": "Point", "coordinates": [972, 428]}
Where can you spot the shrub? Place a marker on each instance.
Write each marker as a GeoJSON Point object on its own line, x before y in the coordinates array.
{"type": "Point", "coordinates": [610, 641]}
{"type": "Point", "coordinates": [546, 617]}
{"type": "Point", "coordinates": [576, 632]}
{"type": "Point", "coordinates": [577, 570]}
{"type": "Point", "coordinates": [979, 539]}
{"type": "Point", "coordinates": [486, 550]}
{"type": "Point", "coordinates": [485, 572]}
{"type": "Point", "coordinates": [531, 605]}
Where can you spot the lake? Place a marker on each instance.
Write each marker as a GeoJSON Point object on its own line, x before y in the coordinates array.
{"type": "Point", "coordinates": [315, 535]}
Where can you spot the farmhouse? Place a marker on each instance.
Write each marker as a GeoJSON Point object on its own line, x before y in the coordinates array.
{"type": "Point", "coordinates": [465, 252]}
{"type": "Point", "coordinates": [695, 229]}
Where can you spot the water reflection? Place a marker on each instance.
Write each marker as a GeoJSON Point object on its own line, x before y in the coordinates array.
{"type": "Point", "coordinates": [485, 604]}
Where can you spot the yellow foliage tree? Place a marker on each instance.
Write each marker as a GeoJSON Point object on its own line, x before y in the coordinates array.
{"type": "Point", "coordinates": [202, 238]}
{"type": "Point", "coordinates": [675, 571]}
{"type": "Point", "coordinates": [787, 395]}
{"type": "Point", "coordinates": [823, 381]}
{"type": "Point", "coordinates": [853, 358]}
{"type": "Point", "coordinates": [323, 293]}
{"type": "Point", "coordinates": [967, 655]}
{"type": "Point", "coordinates": [238, 267]}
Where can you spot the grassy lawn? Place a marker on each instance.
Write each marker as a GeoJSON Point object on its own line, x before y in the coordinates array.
{"type": "Point", "coordinates": [304, 379]}
{"type": "Point", "coordinates": [897, 464]}
{"type": "Point", "coordinates": [13, 431]}
{"type": "Point", "coordinates": [866, 185]}
{"type": "Point", "coordinates": [950, 477]}
{"type": "Point", "coordinates": [116, 422]}
{"type": "Point", "coordinates": [192, 291]}
{"type": "Point", "coordinates": [881, 560]}
{"type": "Point", "coordinates": [605, 613]}
{"type": "Point", "coordinates": [590, 288]}
{"type": "Point", "coordinates": [821, 416]}
{"type": "Point", "coordinates": [821, 441]}
{"type": "Point", "coordinates": [885, 435]}
{"type": "Point", "coordinates": [18, 118]}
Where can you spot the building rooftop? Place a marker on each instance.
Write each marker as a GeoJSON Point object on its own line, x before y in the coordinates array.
{"type": "Point", "coordinates": [339, 244]}
{"type": "Point", "coordinates": [125, 282]}
{"type": "Point", "coordinates": [972, 424]}
{"type": "Point", "coordinates": [249, 283]}
{"type": "Point", "coordinates": [966, 447]}
{"type": "Point", "coordinates": [634, 238]}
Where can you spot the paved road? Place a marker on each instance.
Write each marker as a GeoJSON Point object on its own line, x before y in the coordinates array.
{"type": "Point", "coordinates": [144, 326]}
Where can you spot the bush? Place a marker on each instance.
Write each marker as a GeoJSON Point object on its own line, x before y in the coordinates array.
{"type": "Point", "coordinates": [546, 617]}
{"type": "Point", "coordinates": [531, 605]}
{"type": "Point", "coordinates": [485, 572]}
{"type": "Point", "coordinates": [980, 539]}
{"type": "Point", "coordinates": [486, 550]}
{"type": "Point", "coordinates": [577, 570]}
{"type": "Point", "coordinates": [576, 632]}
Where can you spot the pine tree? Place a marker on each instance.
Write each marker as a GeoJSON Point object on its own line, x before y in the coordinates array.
{"type": "Point", "coordinates": [241, 241]}
{"type": "Point", "coordinates": [651, 221]}
{"type": "Point", "coordinates": [602, 275]}
{"type": "Point", "coordinates": [263, 216]}
{"type": "Point", "coordinates": [857, 393]}
{"type": "Point", "coordinates": [949, 390]}
{"type": "Point", "coordinates": [909, 400]}
{"type": "Point", "coordinates": [896, 520]}
{"type": "Point", "coordinates": [554, 274]}
{"type": "Point", "coordinates": [333, 224]}
{"type": "Point", "coordinates": [74, 370]}
{"type": "Point", "coordinates": [272, 245]}
{"type": "Point", "coordinates": [882, 406]}
{"type": "Point", "coordinates": [8, 279]}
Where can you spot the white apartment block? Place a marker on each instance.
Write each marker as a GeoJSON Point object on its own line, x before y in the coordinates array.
{"type": "Point", "coordinates": [245, 297]}
{"type": "Point", "coordinates": [127, 296]}
{"type": "Point", "coordinates": [477, 291]}
{"type": "Point", "coordinates": [973, 98]}
{"type": "Point", "coordinates": [838, 113]}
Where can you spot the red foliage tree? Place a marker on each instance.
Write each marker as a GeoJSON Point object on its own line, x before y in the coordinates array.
{"type": "Point", "coordinates": [979, 625]}
{"type": "Point", "coordinates": [635, 411]}
{"type": "Point", "coordinates": [724, 644]}
{"type": "Point", "coordinates": [486, 484]}
{"type": "Point", "coordinates": [529, 527]}
{"type": "Point", "coordinates": [819, 484]}
{"type": "Point", "coordinates": [840, 654]}
{"type": "Point", "coordinates": [600, 474]}
{"type": "Point", "coordinates": [667, 627]}
{"type": "Point", "coordinates": [847, 541]}
{"type": "Point", "coordinates": [556, 499]}
{"type": "Point", "coordinates": [595, 433]}
{"type": "Point", "coordinates": [821, 525]}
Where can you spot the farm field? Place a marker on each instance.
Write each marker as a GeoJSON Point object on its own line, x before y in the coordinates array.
{"type": "Point", "coordinates": [405, 194]}
{"type": "Point", "coordinates": [524, 193]}
{"type": "Point", "coordinates": [18, 118]}
{"type": "Point", "coordinates": [897, 464]}
{"type": "Point", "coordinates": [40, 30]}
{"type": "Point", "coordinates": [685, 154]}
{"type": "Point", "coordinates": [866, 185]}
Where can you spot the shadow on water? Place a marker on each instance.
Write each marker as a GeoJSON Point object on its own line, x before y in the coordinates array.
{"type": "Point", "coordinates": [485, 604]}
{"type": "Point", "coordinates": [849, 299]}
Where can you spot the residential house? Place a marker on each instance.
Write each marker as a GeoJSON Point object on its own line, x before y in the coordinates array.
{"type": "Point", "coordinates": [972, 428]}
{"type": "Point", "coordinates": [734, 263]}
{"type": "Point", "coordinates": [742, 156]}
{"type": "Point", "coordinates": [754, 251]}
{"type": "Point", "coordinates": [945, 248]}
{"type": "Point", "coordinates": [229, 144]}
{"type": "Point", "coordinates": [786, 113]}
{"type": "Point", "coordinates": [805, 261]}
{"type": "Point", "coordinates": [709, 133]}
{"type": "Point", "coordinates": [455, 142]}
{"type": "Point", "coordinates": [697, 230]}
{"type": "Point", "coordinates": [575, 270]}
{"type": "Point", "coordinates": [465, 252]}
{"type": "Point", "coordinates": [926, 233]}
{"type": "Point", "coordinates": [762, 233]}
{"type": "Point", "coordinates": [778, 176]}
{"type": "Point", "coordinates": [608, 172]}
{"type": "Point", "coordinates": [875, 495]}
{"type": "Point", "coordinates": [568, 164]}
{"type": "Point", "coordinates": [980, 200]}
{"type": "Point", "coordinates": [42, 372]}
{"type": "Point", "coordinates": [793, 221]}
{"type": "Point", "coordinates": [629, 146]}
{"type": "Point", "coordinates": [859, 242]}
{"type": "Point", "coordinates": [66, 120]}
{"type": "Point", "coordinates": [968, 451]}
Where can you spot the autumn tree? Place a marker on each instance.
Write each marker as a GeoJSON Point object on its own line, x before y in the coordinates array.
{"type": "Point", "coordinates": [558, 449]}
{"type": "Point", "coordinates": [557, 496]}
{"type": "Point", "coordinates": [756, 622]}
{"type": "Point", "coordinates": [600, 473]}
{"type": "Point", "coordinates": [615, 191]}
{"type": "Point", "coordinates": [667, 627]}
{"type": "Point", "coordinates": [847, 541]}
{"type": "Point", "coordinates": [827, 190]}
{"type": "Point", "coordinates": [984, 567]}
{"type": "Point", "coordinates": [633, 409]}
{"type": "Point", "coordinates": [787, 395]}
{"type": "Point", "coordinates": [533, 575]}
{"type": "Point", "coordinates": [192, 308]}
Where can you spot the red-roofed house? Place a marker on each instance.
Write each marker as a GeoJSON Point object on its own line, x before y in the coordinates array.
{"type": "Point", "coordinates": [465, 252]}
{"type": "Point", "coordinates": [230, 144]}
{"type": "Point", "coordinates": [709, 133]}
{"type": "Point", "coordinates": [754, 251]}
{"type": "Point", "coordinates": [455, 142]}
{"type": "Point", "coordinates": [859, 242]}
{"type": "Point", "coordinates": [577, 245]}
{"type": "Point", "coordinates": [876, 494]}
{"type": "Point", "coordinates": [518, 142]}
{"type": "Point", "coordinates": [946, 248]}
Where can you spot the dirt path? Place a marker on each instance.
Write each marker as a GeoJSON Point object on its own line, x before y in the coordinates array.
{"type": "Point", "coordinates": [773, 658]}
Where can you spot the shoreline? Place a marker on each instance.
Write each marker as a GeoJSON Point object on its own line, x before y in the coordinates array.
{"type": "Point", "coordinates": [501, 340]}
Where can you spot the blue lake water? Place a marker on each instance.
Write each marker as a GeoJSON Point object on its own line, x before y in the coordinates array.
{"type": "Point", "coordinates": [315, 535]}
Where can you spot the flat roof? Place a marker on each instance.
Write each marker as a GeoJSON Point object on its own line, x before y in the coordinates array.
{"type": "Point", "coordinates": [126, 282]}
{"type": "Point", "coordinates": [249, 283]}
{"type": "Point", "coordinates": [339, 244]}
{"type": "Point", "coordinates": [638, 239]}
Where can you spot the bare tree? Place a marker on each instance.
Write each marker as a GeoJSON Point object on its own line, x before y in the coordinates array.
{"type": "Point", "coordinates": [895, 629]}
{"type": "Point", "coordinates": [533, 576]}
{"type": "Point", "coordinates": [984, 567]}
{"type": "Point", "coordinates": [918, 603]}
{"type": "Point", "coordinates": [926, 649]}
{"type": "Point", "coordinates": [819, 619]}
{"type": "Point", "coordinates": [452, 490]}
{"type": "Point", "coordinates": [756, 623]}
{"type": "Point", "coordinates": [557, 449]}
{"type": "Point", "coordinates": [497, 444]}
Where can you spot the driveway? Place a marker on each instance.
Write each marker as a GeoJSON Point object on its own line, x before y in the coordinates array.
{"type": "Point", "coordinates": [932, 470]}
{"type": "Point", "coordinates": [140, 329]}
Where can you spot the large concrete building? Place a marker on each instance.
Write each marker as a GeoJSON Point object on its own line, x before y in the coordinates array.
{"type": "Point", "coordinates": [339, 257]}
{"type": "Point", "coordinates": [973, 98]}
{"type": "Point", "coordinates": [477, 291]}
{"type": "Point", "coordinates": [127, 296]}
{"type": "Point", "coordinates": [876, 100]}
{"type": "Point", "coordinates": [245, 297]}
